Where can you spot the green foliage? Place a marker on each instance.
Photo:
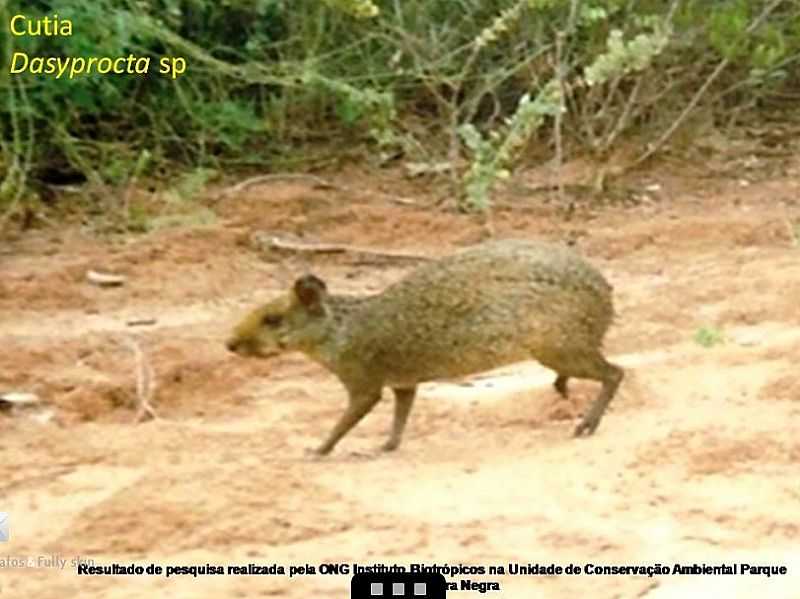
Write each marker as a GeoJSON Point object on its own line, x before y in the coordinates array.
{"type": "Point", "coordinates": [709, 336]}
{"type": "Point", "coordinates": [356, 105]}
{"type": "Point", "coordinates": [726, 28]}
{"type": "Point", "coordinates": [493, 156]}
{"type": "Point", "coordinates": [623, 58]}
{"type": "Point", "coordinates": [501, 25]}
{"type": "Point", "coordinates": [358, 8]}
{"type": "Point", "coordinates": [228, 122]}
{"type": "Point", "coordinates": [435, 79]}
{"type": "Point", "coordinates": [726, 31]}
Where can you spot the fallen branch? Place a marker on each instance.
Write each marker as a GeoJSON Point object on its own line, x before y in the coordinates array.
{"type": "Point", "coordinates": [332, 248]}
{"type": "Point", "coordinates": [242, 185]}
{"type": "Point", "coordinates": [47, 477]}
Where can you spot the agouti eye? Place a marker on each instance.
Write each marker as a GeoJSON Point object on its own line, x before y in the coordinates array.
{"type": "Point", "coordinates": [272, 320]}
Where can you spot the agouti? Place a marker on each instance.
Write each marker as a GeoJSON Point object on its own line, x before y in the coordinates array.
{"type": "Point", "coordinates": [490, 305]}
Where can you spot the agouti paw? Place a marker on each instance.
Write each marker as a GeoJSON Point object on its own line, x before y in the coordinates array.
{"type": "Point", "coordinates": [586, 427]}
{"type": "Point", "coordinates": [315, 453]}
{"type": "Point", "coordinates": [390, 445]}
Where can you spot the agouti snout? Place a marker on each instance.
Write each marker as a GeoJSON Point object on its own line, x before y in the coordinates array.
{"type": "Point", "coordinates": [488, 306]}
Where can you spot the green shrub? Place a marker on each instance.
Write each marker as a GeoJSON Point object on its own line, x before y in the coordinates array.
{"type": "Point", "coordinates": [441, 80]}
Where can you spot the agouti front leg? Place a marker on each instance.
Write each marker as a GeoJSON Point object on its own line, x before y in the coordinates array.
{"type": "Point", "coordinates": [360, 404]}
{"type": "Point", "coordinates": [560, 385]}
{"type": "Point", "coordinates": [403, 400]}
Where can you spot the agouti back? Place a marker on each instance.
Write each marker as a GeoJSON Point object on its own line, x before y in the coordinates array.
{"type": "Point", "coordinates": [490, 305]}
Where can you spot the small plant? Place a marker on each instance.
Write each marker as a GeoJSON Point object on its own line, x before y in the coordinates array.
{"type": "Point", "coordinates": [493, 156]}
{"type": "Point", "coordinates": [709, 336]}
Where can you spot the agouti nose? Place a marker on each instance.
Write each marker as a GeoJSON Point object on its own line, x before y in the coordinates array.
{"type": "Point", "coordinates": [232, 345]}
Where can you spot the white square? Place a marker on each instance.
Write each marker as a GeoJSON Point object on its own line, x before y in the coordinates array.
{"type": "Point", "coordinates": [398, 588]}
{"type": "Point", "coordinates": [420, 589]}
{"type": "Point", "coordinates": [376, 589]}
{"type": "Point", "coordinates": [5, 530]}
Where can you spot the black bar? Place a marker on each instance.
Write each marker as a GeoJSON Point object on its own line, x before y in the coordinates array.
{"type": "Point", "coordinates": [370, 585]}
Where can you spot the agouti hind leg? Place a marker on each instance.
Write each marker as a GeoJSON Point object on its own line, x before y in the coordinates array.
{"type": "Point", "coordinates": [403, 400]}
{"type": "Point", "coordinates": [585, 364]}
{"type": "Point", "coordinates": [596, 367]}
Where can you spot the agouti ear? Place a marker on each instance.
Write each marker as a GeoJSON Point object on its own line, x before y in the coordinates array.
{"type": "Point", "coordinates": [311, 292]}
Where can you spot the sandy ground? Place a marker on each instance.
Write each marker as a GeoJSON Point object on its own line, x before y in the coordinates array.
{"type": "Point", "coordinates": [695, 462]}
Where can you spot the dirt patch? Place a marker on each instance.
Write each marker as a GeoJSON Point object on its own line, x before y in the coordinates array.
{"type": "Point", "coordinates": [784, 388]}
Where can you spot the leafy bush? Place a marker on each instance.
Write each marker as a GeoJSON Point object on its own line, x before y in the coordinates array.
{"type": "Point", "coordinates": [441, 80]}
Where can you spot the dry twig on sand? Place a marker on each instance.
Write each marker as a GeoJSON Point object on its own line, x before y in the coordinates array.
{"type": "Point", "coordinates": [271, 242]}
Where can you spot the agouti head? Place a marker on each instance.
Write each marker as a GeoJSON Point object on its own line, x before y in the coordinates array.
{"type": "Point", "coordinates": [296, 321]}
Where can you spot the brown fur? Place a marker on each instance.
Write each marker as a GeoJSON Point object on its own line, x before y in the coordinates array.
{"type": "Point", "coordinates": [488, 306]}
